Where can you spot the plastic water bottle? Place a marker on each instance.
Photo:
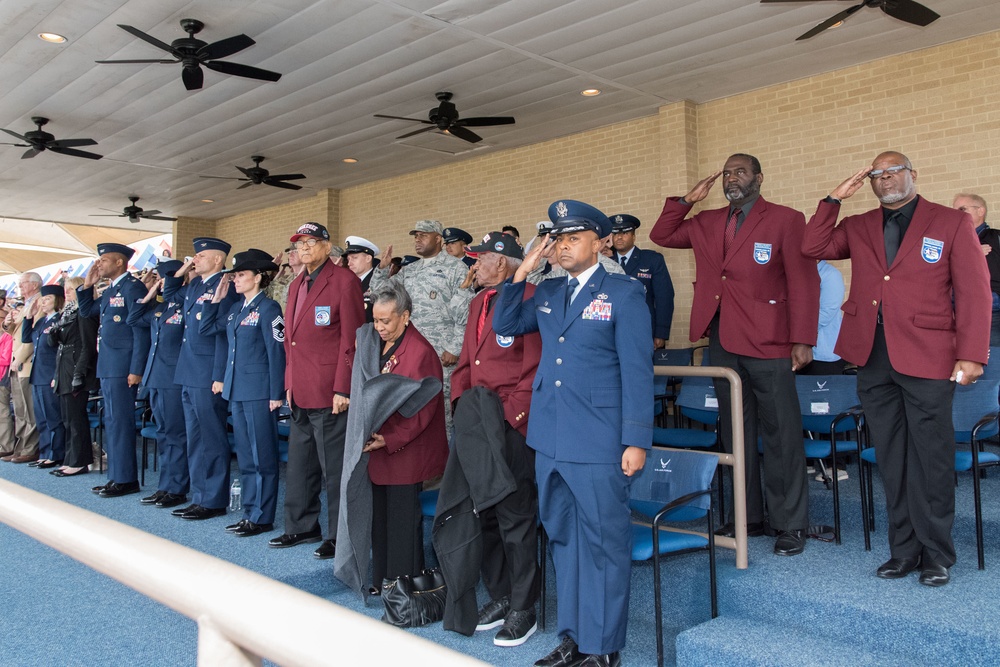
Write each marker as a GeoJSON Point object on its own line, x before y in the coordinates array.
{"type": "Point", "coordinates": [236, 496]}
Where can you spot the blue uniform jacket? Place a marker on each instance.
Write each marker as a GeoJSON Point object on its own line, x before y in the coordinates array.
{"type": "Point", "coordinates": [165, 323]}
{"type": "Point", "coordinates": [203, 356]}
{"type": "Point", "coordinates": [255, 363]}
{"type": "Point", "coordinates": [43, 365]}
{"type": "Point", "coordinates": [122, 349]}
{"type": "Point", "coordinates": [593, 391]}
{"type": "Point", "coordinates": [649, 268]}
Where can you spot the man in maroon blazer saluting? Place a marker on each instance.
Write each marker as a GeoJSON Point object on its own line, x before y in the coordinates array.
{"type": "Point", "coordinates": [917, 320]}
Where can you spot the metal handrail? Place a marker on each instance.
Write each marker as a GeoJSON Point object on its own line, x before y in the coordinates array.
{"type": "Point", "coordinates": [736, 459]}
{"type": "Point", "coordinates": [291, 627]}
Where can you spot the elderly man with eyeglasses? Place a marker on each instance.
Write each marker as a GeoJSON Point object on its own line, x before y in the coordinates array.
{"type": "Point", "coordinates": [989, 241]}
{"type": "Point", "coordinates": [916, 322]}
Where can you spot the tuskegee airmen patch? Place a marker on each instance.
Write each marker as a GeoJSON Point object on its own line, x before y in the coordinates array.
{"type": "Point", "coordinates": [322, 317]}
{"type": "Point", "coordinates": [762, 253]}
{"type": "Point", "coordinates": [931, 250]}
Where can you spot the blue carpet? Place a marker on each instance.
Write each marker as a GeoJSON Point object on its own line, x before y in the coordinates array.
{"type": "Point", "coordinates": [802, 610]}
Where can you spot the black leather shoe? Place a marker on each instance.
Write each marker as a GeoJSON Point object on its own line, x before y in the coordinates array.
{"type": "Point", "coordinates": [115, 490]}
{"type": "Point", "coordinates": [517, 627]}
{"type": "Point", "coordinates": [932, 574]}
{"type": "Point", "coordinates": [326, 550]}
{"type": "Point", "coordinates": [249, 529]}
{"type": "Point", "coordinates": [729, 530]}
{"type": "Point", "coordinates": [98, 489]}
{"type": "Point", "coordinates": [201, 513]}
{"type": "Point", "coordinates": [493, 613]}
{"type": "Point", "coordinates": [48, 464]}
{"type": "Point", "coordinates": [897, 568]}
{"type": "Point", "coordinates": [374, 591]}
{"type": "Point", "coordinates": [567, 654]}
{"type": "Point", "coordinates": [606, 660]}
{"type": "Point", "coordinates": [35, 464]}
{"type": "Point", "coordinates": [151, 500]}
{"type": "Point", "coordinates": [294, 539]}
{"type": "Point", "coordinates": [232, 528]}
{"type": "Point", "coordinates": [790, 543]}
{"type": "Point", "coordinates": [181, 511]}
{"type": "Point", "coordinates": [82, 471]}
{"type": "Point", "coordinates": [171, 500]}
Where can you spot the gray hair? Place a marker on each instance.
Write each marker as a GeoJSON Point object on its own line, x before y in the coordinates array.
{"type": "Point", "coordinates": [31, 277]}
{"type": "Point", "coordinates": [393, 292]}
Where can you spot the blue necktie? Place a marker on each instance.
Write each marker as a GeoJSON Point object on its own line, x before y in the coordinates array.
{"type": "Point", "coordinates": [570, 288]}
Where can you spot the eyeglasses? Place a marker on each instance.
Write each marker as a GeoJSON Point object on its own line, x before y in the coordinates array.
{"type": "Point", "coordinates": [892, 171]}
{"type": "Point", "coordinates": [308, 243]}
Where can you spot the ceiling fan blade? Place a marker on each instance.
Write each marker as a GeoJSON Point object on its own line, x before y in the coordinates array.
{"type": "Point", "coordinates": [236, 69]}
{"type": "Point", "coordinates": [75, 153]}
{"type": "Point", "coordinates": [412, 120]}
{"type": "Point", "coordinates": [224, 47]}
{"type": "Point", "coordinates": [155, 217]}
{"type": "Point", "coordinates": [31, 152]}
{"type": "Point", "coordinates": [911, 12]}
{"type": "Point", "coordinates": [462, 133]}
{"type": "Point", "coordinates": [246, 172]}
{"type": "Point", "coordinates": [149, 39]}
{"type": "Point", "coordinates": [107, 215]}
{"type": "Point", "coordinates": [286, 177]}
{"type": "Point", "coordinates": [225, 178]}
{"type": "Point", "coordinates": [71, 143]}
{"type": "Point", "coordinates": [245, 185]}
{"type": "Point", "coordinates": [485, 122]}
{"type": "Point", "coordinates": [4, 143]}
{"type": "Point", "coordinates": [420, 131]}
{"type": "Point", "coordinates": [193, 77]}
{"type": "Point", "coordinates": [281, 184]}
{"type": "Point", "coordinates": [15, 134]}
{"type": "Point", "coordinates": [830, 22]}
{"type": "Point", "coordinates": [119, 62]}
{"type": "Point", "coordinates": [146, 214]}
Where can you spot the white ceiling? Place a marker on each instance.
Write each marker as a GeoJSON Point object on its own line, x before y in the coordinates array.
{"type": "Point", "coordinates": [344, 60]}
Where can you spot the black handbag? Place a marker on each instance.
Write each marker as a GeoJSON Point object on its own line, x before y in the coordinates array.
{"type": "Point", "coordinates": [414, 601]}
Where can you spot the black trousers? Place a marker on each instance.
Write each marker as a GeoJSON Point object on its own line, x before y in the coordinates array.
{"type": "Point", "coordinates": [510, 532]}
{"type": "Point", "coordinates": [397, 531]}
{"type": "Point", "coordinates": [910, 423]}
{"type": "Point", "coordinates": [79, 450]}
{"type": "Point", "coordinates": [770, 400]}
{"type": "Point", "coordinates": [824, 368]}
{"type": "Point", "coordinates": [315, 461]}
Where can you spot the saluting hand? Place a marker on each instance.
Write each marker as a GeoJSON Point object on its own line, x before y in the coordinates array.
{"type": "Point", "coordinates": [532, 259]}
{"type": "Point", "coordinates": [222, 289]}
{"type": "Point", "coordinates": [185, 267]}
{"type": "Point", "coordinates": [153, 290]}
{"type": "Point", "coordinates": [470, 278]}
{"type": "Point", "coordinates": [701, 188]}
{"type": "Point", "coordinates": [92, 277]}
{"type": "Point", "coordinates": [386, 259]}
{"type": "Point", "coordinates": [851, 185]}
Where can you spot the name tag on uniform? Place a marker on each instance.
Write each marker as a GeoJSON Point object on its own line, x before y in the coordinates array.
{"type": "Point", "coordinates": [251, 320]}
{"type": "Point", "coordinates": [322, 317]}
{"type": "Point", "coordinates": [598, 310]}
{"type": "Point", "coordinates": [544, 309]}
{"type": "Point", "coordinates": [117, 301]}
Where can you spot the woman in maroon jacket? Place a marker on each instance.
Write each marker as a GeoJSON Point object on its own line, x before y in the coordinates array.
{"type": "Point", "coordinates": [406, 451]}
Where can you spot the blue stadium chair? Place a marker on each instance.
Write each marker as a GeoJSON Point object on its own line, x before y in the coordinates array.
{"type": "Point", "coordinates": [666, 387]}
{"type": "Point", "coordinates": [830, 407]}
{"type": "Point", "coordinates": [674, 487]}
{"type": "Point", "coordinates": [95, 414]}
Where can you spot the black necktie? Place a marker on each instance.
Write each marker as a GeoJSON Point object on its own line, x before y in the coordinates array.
{"type": "Point", "coordinates": [892, 237]}
{"type": "Point", "coordinates": [570, 288]}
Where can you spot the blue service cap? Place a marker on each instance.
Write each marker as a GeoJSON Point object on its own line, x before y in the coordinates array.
{"type": "Point", "coordinates": [623, 222]}
{"type": "Point", "coordinates": [569, 216]}
{"type": "Point", "coordinates": [52, 290]}
{"type": "Point", "coordinates": [208, 243]}
{"type": "Point", "coordinates": [120, 248]}
{"type": "Point", "coordinates": [453, 234]}
{"type": "Point", "coordinates": [408, 259]}
{"type": "Point", "coordinates": [168, 267]}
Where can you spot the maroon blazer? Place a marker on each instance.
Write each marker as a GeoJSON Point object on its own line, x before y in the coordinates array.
{"type": "Point", "coordinates": [767, 289]}
{"type": "Point", "coordinates": [416, 449]}
{"type": "Point", "coordinates": [319, 340]}
{"type": "Point", "coordinates": [503, 364]}
{"type": "Point", "coordinates": [926, 331]}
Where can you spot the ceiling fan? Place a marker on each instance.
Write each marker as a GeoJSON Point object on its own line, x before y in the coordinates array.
{"type": "Point", "coordinates": [192, 53]}
{"type": "Point", "coordinates": [445, 118]}
{"type": "Point", "coordinates": [904, 10]}
{"type": "Point", "coordinates": [257, 175]}
{"type": "Point", "coordinates": [39, 140]}
{"type": "Point", "coordinates": [133, 213]}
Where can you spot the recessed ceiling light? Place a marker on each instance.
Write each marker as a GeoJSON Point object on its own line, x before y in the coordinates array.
{"type": "Point", "coordinates": [208, 201]}
{"type": "Point", "coordinates": [51, 37]}
{"type": "Point", "coordinates": [590, 92]}
{"type": "Point", "coordinates": [350, 160]}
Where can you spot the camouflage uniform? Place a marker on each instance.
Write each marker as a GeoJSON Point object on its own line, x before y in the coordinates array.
{"type": "Point", "coordinates": [278, 289]}
{"type": "Point", "coordinates": [535, 277]}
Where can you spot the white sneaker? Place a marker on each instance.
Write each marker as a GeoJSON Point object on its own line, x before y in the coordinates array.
{"type": "Point", "coordinates": [841, 475]}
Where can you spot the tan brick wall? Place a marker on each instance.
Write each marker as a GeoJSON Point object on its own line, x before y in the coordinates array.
{"type": "Point", "coordinates": [188, 229]}
{"type": "Point", "coordinates": [269, 228]}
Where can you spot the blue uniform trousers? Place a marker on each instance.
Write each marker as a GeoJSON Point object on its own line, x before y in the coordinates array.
{"type": "Point", "coordinates": [48, 420]}
{"type": "Point", "coordinates": [168, 413]}
{"type": "Point", "coordinates": [119, 429]}
{"type": "Point", "coordinates": [584, 509]}
{"type": "Point", "coordinates": [256, 431]}
{"type": "Point", "coordinates": [208, 448]}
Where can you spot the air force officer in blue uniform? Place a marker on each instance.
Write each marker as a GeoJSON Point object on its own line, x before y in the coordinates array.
{"type": "Point", "coordinates": [200, 370]}
{"type": "Point", "coordinates": [165, 324]}
{"type": "Point", "coordinates": [121, 358]}
{"type": "Point", "coordinates": [649, 268]}
{"type": "Point", "coordinates": [254, 382]}
{"type": "Point", "coordinates": [590, 425]}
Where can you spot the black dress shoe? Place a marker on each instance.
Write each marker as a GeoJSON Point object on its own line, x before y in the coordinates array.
{"type": "Point", "coordinates": [201, 513]}
{"type": "Point", "coordinates": [47, 464]}
{"type": "Point", "coordinates": [790, 543]}
{"type": "Point", "coordinates": [35, 464]}
{"type": "Point", "coordinates": [98, 489]}
{"type": "Point", "coordinates": [606, 660]}
{"type": "Point", "coordinates": [249, 529]}
{"type": "Point", "coordinates": [294, 539]}
{"type": "Point", "coordinates": [115, 490]}
{"type": "Point", "coordinates": [567, 654]}
{"type": "Point", "coordinates": [932, 574]}
{"type": "Point", "coordinates": [897, 568]}
{"type": "Point", "coordinates": [374, 591]}
{"type": "Point", "coordinates": [171, 500]}
{"type": "Point", "coordinates": [729, 530]}
{"type": "Point", "coordinates": [236, 526]}
{"type": "Point", "coordinates": [151, 500]}
{"type": "Point", "coordinates": [326, 550]}
{"type": "Point", "coordinates": [82, 471]}
{"type": "Point", "coordinates": [181, 511]}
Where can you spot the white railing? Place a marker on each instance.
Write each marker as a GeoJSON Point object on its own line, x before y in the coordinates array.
{"type": "Point", "coordinates": [290, 627]}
